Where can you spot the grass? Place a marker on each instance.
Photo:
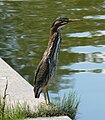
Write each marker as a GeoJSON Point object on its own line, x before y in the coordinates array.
{"type": "Point", "coordinates": [67, 106]}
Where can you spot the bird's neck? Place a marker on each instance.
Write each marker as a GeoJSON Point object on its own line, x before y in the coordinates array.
{"type": "Point", "coordinates": [54, 42]}
{"type": "Point", "coordinates": [54, 30]}
{"type": "Point", "coordinates": [54, 35]}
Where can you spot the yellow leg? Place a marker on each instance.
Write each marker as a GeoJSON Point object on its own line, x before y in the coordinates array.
{"type": "Point", "coordinates": [46, 95]}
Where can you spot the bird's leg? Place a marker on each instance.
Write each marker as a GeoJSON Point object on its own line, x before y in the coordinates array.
{"type": "Point", "coordinates": [48, 98]}
{"type": "Point", "coordinates": [46, 95]}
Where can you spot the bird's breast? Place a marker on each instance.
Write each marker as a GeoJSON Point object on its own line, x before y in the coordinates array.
{"type": "Point", "coordinates": [57, 49]}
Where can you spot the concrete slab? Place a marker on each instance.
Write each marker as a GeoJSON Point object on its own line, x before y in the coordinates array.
{"type": "Point", "coordinates": [51, 118]}
{"type": "Point", "coordinates": [19, 90]}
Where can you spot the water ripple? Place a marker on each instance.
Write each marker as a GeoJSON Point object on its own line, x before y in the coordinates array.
{"type": "Point", "coordinates": [88, 49]}
{"type": "Point", "coordinates": [78, 9]}
{"type": "Point", "coordinates": [84, 66]}
{"type": "Point", "coordinates": [87, 34]}
{"type": "Point", "coordinates": [95, 17]}
{"type": "Point", "coordinates": [82, 34]}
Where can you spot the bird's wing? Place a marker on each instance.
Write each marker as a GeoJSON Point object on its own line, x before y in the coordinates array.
{"type": "Point", "coordinates": [42, 73]}
{"type": "Point", "coordinates": [45, 67]}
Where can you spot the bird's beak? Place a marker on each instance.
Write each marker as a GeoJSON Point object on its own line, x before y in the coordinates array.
{"type": "Point", "coordinates": [74, 20]}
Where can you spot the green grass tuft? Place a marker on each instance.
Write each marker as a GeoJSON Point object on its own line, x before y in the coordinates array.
{"type": "Point", "coordinates": [67, 106]}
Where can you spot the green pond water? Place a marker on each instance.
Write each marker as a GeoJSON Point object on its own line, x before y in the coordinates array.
{"type": "Point", "coordinates": [24, 34]}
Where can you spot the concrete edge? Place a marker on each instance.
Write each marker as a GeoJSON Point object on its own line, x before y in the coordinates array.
{"type": "Point", "coordinates": [20, 91]}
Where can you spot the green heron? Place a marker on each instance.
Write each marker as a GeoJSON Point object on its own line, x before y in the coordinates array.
{"type": "Point", "coordinates": [47, 65]}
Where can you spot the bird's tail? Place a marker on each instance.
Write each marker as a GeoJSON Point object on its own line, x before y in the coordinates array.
{"type": "Point", "coordinates": [37, 92]}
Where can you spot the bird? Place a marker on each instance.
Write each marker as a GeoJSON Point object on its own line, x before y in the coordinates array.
{"type": "Point", "coordinates": [48, 63]}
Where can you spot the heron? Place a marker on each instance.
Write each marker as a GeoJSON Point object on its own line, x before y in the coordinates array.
{"type": "Point", "coordinates": [47, 65]}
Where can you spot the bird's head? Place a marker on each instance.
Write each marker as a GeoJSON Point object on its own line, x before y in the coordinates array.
{"type": "Point", "coordinates": [62, 21]}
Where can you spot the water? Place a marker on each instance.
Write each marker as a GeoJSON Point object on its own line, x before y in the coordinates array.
{"type": "Point", "coordinates": [24, 33]}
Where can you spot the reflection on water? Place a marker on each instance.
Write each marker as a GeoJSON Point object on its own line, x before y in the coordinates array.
{"type": "Point", "coordinates": [24, 33]}
{"type": "Point", "coordinates": [86, 49]}
{"type": "Point", "coordinates": [87, 34]}
{"type": "Point", "coordinates": [83, 34]}
{"type": "Point", "coordinates": [84, 66]}
{"type": "Point", "coordinates": [95, 17]}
